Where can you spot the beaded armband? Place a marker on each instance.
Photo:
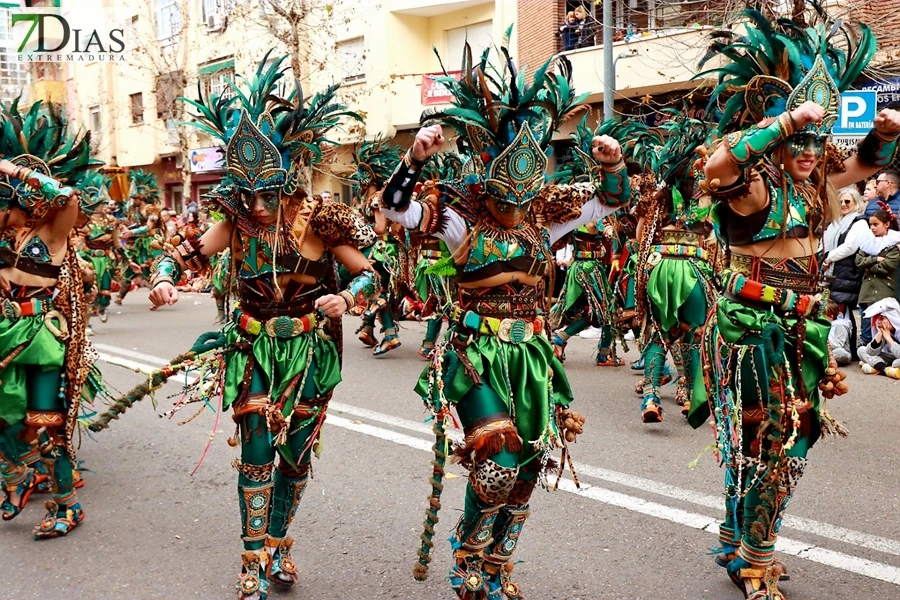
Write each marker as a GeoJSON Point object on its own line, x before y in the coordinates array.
{"type": "Point", "coordinates": [877, 149]}
{"type": "Point", "coordinates": [747, 147]}
{"type": "Point", "coordinates": [38, 193]}
{"type": "Point", "coordinates": [614, 187]}
{"type": "Point", "coordinates": [403, 180]}
{"type": "Point", "coordinates": [189, 251]}
{"type": "Point", "coordinates": [363, 288]}
{"type": "Point", "coordinates": [737, 190]}
{"type": "Point", "coordinates": [139, 231]}
{"type": "Point", "coordinates": [168, 270]}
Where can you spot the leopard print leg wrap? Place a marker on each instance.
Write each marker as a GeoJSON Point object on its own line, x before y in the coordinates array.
{"type": "Point", "coordinates": [493, 483]}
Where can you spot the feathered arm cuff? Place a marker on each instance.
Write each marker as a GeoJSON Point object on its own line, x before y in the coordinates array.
{"type": "Point", "coordinates": [746, 148]}
{"type": "Point", "coordinates": [877, 149]}
{"type": "Point", "coordinates": [399, 188]}
{"type": "Point", "coordinates": [141, 231]}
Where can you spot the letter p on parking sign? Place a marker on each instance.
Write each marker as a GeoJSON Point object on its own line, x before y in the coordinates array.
{"type": "Point", "coordinates": [857, 113]}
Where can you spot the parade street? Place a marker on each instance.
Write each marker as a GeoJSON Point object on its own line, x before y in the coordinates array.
{"type": "Point", "coordinates": [639, 526]}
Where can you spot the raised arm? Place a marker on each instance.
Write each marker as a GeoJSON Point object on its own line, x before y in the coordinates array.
{"type": "Point", "coordinates": [875, 152]}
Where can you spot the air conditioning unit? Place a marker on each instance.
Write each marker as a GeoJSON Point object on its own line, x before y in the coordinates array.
{"type": "Point", "coordinates": [215, 22]}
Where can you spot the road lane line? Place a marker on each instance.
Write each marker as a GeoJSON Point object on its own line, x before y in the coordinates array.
{"type": "Point", "coordinates": [826, 530]}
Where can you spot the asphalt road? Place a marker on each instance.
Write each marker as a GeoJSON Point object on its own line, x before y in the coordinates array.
{"type": "Point", "coordinates": [639, 528]}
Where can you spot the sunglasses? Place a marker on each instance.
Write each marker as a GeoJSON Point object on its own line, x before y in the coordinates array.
{"type": "Point", "coordinates": [846, 202]}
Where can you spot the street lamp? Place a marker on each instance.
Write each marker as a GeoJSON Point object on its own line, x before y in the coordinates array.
{"type": "Point", "coordinates": [610, 85]}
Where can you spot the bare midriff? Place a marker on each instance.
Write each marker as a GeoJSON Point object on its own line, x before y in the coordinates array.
{"type": "Point", "coordinates": [779, 248]}
{"type": "Point", "coordinates": [503, 279]}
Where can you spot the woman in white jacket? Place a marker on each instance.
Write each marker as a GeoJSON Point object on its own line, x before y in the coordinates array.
{"type": "Point", "coordinates": [841, 242]}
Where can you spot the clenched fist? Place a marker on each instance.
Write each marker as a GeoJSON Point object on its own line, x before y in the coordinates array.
{"type": "Point", "coordinates": [428, 142]}
{"type": "Point", "coordinates": [888, 121]}
{"type": "Point", "coordinates": [332, 305]}
{"type": "Point", "coordinates": [806, 113]}
{"type": "Point", "coordinates": [606, 150]}
{"type": "Point", "coordinates": [164, 293]}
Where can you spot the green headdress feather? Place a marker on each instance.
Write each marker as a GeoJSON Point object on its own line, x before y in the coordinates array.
{"type": "Point", "coordinates": [443, 166]}
{"type": "Point", "coordinates": [94, 187]}
{"type": "Point", "coordinates": [635, 137]}
{"type": "Point", "coordinates": [269, 136]}
{"type": "Point", "coordinates": [41, 140]}
{"type": "Point", "coordinates": [375, 161]}
{"type": "Point", "coordinates": [506, 122]}
{"type": "Point", "coordinates": [143, 185]}
{"type": "Point", "coordinates": [774, 65]}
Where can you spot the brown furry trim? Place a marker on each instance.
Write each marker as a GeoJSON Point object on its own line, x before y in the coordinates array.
{"type": "Point", "coordinates": [486, 442]}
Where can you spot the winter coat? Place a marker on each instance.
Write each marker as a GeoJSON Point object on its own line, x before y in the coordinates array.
{"type": "Point", "coordinates": [847, 276]}
{"type": "Point", "coordinates": [879, 278]}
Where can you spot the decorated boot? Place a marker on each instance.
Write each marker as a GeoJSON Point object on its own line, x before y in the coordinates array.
{"type": "Point", "coordinates": [282, 569]}
{"type": "Point", "coordinates": [388, 343]}
{"type": "Point", "coordinates": [560, 339]}
{"type": "Point", "coordinates": [498, 564]}
{"type": "Point", "coordinates": [467, 577]}
{"type": "Point", "coordinates": [253, 584]}
{"type": "Point", "coordinates": [651, 411]}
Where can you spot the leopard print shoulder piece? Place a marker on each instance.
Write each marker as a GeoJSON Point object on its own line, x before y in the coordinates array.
{"type": "Point", "coordinates": [562, 203]}
{"type": "Point", "coordinates": [337, 224]}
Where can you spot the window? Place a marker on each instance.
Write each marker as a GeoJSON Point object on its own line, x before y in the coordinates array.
{"type": "Point", "coordinates": [215, 83]}
{"type": "Point", "coordinates": [216, 7]}
{"type": "Point", "coordinates": [95, 121]}
{"type": "Point", "coordinates": [352, 54]}
{"type": "Point", "coordinates": [13, 74]}
{"type": "Point", "coordinates": [479, 36]}
{"type": "Point", "coordinates": [176, 198]}
{"type": "Point", "coordinates": [137, 108]}
{"type": "Point", "coordinates": [168, 18]}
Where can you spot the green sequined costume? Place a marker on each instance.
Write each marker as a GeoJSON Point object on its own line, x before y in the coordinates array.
{"type": "Point", "coordinates": [765, 351]}
{"type": "Point", "coordinates": [44, 352]}
{"type": "Point", "coordinates": [495, 366]}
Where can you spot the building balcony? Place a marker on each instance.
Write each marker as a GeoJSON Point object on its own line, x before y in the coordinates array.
{"type": "Point", "coordinates": [432, 8]}
{"type": "Point", "coordinates": [656, 64]}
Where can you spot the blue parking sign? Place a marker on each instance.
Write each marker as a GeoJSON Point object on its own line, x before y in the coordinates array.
{"type": "Point", "coordinates": [857, 113]}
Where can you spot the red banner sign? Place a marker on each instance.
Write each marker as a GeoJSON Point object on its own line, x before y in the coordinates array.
{"type": "Point", "coordinates": [434, 92]}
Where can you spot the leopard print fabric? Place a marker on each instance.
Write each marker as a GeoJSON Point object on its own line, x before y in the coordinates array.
{"type": "Point", "coordinates": [794, 468]}
{"type": "Point", "coordinates": [493, 483]}
{"type": "Point", "coordinates": [257, 473]}
{"type": "Point", "coordinates": [339, 225]}
{"type": "Point", "coordinates": [562, 203]}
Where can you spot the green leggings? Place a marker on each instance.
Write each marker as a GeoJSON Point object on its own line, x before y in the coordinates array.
{"type": "Point", "coordinates": [257, 449]}
{"type": "Point", "coordinates": [43, 387]}
{"type": "Point", "coordinates": [693, 314]}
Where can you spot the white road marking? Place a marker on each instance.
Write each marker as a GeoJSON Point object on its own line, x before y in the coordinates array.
{"type": "Point", "coordinates": [839, 560]}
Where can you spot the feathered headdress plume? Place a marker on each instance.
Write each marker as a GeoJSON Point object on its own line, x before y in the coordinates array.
{"type": "Point", "coordinates": [774, 64]}
{"type": "Point", "coordinates": [375, 161]}
{"type": "Point", "coordinates": [143, 185]}
{"type": "Point", "coordinates": [269, 136]}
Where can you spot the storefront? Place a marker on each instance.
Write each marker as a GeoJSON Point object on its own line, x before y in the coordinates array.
{"type": "Point", "coordinates": [173, 184]}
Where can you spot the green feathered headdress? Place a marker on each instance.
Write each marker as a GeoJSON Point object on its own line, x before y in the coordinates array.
{"type": "Point", "coordinates": [375, 161]}
{"type": "Point", "coordinates": [143, 185]}
{"type": "Point", "coordinates": [269, 137]}
{"type": "Point", "coordinates": [774, 67]}
{"type": "Point", "coordinates": [443, 166]}
{"type": "Point", "coordinates": [41, 140]}
{"type": "Point", "coordinates": [94, 188]}
{"type": "Point", "coordinates": [635, 137]}
{"type": "Point", "coordinates": [505, 123]}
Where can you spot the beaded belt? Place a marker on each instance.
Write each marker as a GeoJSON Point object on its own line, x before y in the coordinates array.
{"type": "Point", "coordinates": [681, 238]}
{"type": "Point", "coordinates": [514, 331]}
{"type": "Point", "coordinates": [282, 327]}
{"type": "Point", "coordinates": [14, 311]}
{"type": "Point", "coordinates": [676, 250]}
{"type": "Point", "coordinates": [784, 299]}
{"type": "Point", "coordinates": [434, 254]}
{"type": "Point", "coordinates": [589, 254]}
{"type": "Point", "coordinates": [97, 252]}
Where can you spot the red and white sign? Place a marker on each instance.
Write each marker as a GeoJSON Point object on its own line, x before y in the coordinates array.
{"type": "Point", "coordinates": [434, 92]}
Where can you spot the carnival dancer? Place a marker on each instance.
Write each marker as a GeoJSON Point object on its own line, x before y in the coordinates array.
{"type": "Point", "coordinates": [44, 352]}
{"type": "Point", "coordinates": [103, 250]}
{"type": "Point", "coordinates": [375, 161]}
{"type": "Point", "coordinates": [675, 282]}
{"type": "Point", "coordinates": [432, 283]}
{"type": "Point", "coordinates": [588, 296]}
{"type": "Point", "coordinates": [143, 229]}
{"type": "Point", "coordinates": [495, 364]}
{"type": "Point", "coordinates": [765, 349]}
{"type": "Point", "coordinates": [279, 357]}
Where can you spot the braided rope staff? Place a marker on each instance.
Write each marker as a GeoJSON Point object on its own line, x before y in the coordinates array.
{"type": "Point", "coordinates": [205, 345]}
